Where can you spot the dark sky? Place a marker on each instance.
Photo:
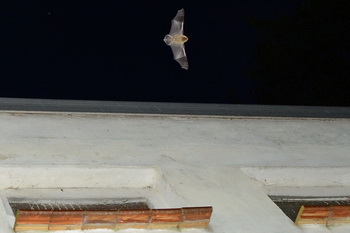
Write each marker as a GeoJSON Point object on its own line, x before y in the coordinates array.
{"type": "Point", "coordinates": [114, 50]}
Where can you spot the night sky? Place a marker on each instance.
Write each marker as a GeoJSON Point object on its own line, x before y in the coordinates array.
{"type": "Point", "coordinates": [114, 50]}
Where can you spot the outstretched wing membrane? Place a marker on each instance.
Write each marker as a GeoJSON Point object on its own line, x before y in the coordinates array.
{"type": "Point", "coordinates": [177, 23]}
{"type": "Point", "coordinates": [180, 55]}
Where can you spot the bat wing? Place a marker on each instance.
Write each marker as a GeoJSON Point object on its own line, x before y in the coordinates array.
{"type": "Point", "coordinates": [177, 24]}
{"type": "Point", "coordinates": [180, 55]}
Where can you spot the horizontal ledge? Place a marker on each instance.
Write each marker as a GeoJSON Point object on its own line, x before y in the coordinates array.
{"type": "Point", "coordinates": [186, 217]}
{"type": "Point", "coordinates": [282, 176]}
{"type": "Point", "coordinates": [167, 108]}
{"type": "Point", "coordinates": [48, 177]}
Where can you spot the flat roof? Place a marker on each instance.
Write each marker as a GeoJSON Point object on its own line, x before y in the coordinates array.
{"type": "Point", "coordinates": [163, 108]}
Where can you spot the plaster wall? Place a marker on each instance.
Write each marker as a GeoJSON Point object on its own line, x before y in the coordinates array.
{"type": "Point", "coordinates": [230, 163]}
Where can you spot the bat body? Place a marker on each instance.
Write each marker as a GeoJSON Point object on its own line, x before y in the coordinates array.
{"type": "Point", "coordinates": [176, 39]}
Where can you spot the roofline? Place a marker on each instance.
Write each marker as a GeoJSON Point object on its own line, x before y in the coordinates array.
{"type": "Point", "coordinates": [162, 108]}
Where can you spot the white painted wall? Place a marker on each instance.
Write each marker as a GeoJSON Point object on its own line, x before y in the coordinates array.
{"type": "Point", "coordinates": [173, 161]}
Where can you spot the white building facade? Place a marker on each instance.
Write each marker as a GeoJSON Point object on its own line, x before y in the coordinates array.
{"type": "Point", "coordinates": [176, 155]}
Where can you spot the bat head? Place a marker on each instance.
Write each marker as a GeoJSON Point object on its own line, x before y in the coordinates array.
{"type": "Point", "coordinates": [168, 39]}
{"type": "Point", "coordinates": [184, 38]}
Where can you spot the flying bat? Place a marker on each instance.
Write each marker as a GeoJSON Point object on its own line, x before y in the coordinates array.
{"type": "Point", "coordinates": [176, 39]}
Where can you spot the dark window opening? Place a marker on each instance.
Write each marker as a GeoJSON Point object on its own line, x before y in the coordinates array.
{"type": "Point", "coordinates": [77, 204]}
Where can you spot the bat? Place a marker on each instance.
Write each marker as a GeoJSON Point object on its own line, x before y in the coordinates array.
{"type": "Point", "coordinates": [176, 39]}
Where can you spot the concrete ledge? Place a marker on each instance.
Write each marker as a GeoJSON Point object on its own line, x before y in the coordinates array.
{"type": "Point", "coordinates": [5, 225]}
{"type": "Point", "coordinates": [300, 176]}
{"type": "Point", "coordinates": [76, 177]}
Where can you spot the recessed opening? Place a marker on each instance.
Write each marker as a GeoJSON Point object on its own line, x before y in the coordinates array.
{"type": "Point", "coordinates": [291, 205]}
{"type": "Point", "coordinates": [77, 204]}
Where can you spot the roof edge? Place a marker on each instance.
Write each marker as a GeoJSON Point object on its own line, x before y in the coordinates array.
{"type": "Point", "coordinates": [164, 108]}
